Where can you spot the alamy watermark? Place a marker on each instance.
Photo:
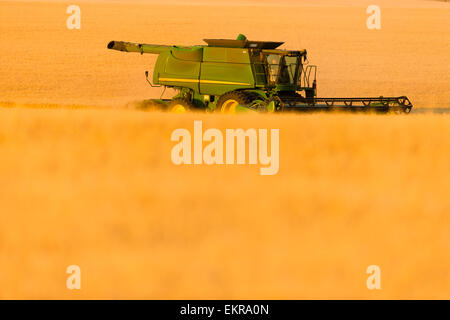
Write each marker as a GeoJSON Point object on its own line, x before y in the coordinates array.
{"type": "Point", "coordinates": [190, 150]}
{"type": "Point", "coordinates": [374, 280]}
{"type": "Point", "coordinates": [74, 280]}
{"type": "Point", "coordinates": [374, 20]}
{"type": "Point", "coordinates": [74, 20]}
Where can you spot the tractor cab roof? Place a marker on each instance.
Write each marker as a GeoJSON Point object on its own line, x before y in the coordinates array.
{"type": "Point", "coordinates": [285, 52]}
{"type": "Point", "coordinates": [229, 43]}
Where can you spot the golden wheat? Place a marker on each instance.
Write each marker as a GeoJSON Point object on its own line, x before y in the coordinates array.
{"type": "Point", "coordinates": [97, 188]}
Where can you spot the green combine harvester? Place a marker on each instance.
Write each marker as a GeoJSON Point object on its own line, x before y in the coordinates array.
{"type": "Point", "coordinates": [241, 75]}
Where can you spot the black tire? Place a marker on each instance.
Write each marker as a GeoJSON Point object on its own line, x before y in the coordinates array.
{"type": "Point", "coordinates": [228, 101]}
{"type": "Point", "coordinates": [180, 105]}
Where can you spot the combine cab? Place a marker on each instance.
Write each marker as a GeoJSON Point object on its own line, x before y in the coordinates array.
{"type": "Point", "coordinates": [241, 75]}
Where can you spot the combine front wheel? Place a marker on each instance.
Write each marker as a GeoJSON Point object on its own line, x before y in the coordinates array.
{"type": "Point", "coordinates": [180, 105]}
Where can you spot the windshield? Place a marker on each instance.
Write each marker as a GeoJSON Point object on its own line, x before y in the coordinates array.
{"type": "Point", "coordinates": [282, 69]}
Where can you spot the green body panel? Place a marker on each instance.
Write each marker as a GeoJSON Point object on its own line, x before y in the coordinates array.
{"type": "Point", "coordinates": [174, 72]}
{"type": "Point", "coordinates": [194, 53]}
{"type": "Point", "coordinates": [225, 69]}
{"type": "Point", "coordinates": [207, 71]}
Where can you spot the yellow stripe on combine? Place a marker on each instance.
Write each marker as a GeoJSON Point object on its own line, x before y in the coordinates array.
{"type": "Point", "coordinates": [203, 81]}
{"type": "Point", "coordinates": [178, 80]}
{"type": "Point", "coordinates": [224, 82]}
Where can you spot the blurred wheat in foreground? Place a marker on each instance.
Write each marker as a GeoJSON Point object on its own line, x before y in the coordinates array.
{"type": "Point", "coordinates": [97, 188]}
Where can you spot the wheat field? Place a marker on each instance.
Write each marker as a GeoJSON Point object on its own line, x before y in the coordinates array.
{"type": "Point", "coordinates": [97, 188]}
{"type": "Point", "coordinates": [87, 179]}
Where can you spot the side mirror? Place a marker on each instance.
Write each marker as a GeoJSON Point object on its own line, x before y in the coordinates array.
{"type": "Point", "coordinates": [146, 74]}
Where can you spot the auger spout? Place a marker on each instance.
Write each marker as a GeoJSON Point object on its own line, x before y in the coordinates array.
{"type": "Point", "coordinates": [138, 47]}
